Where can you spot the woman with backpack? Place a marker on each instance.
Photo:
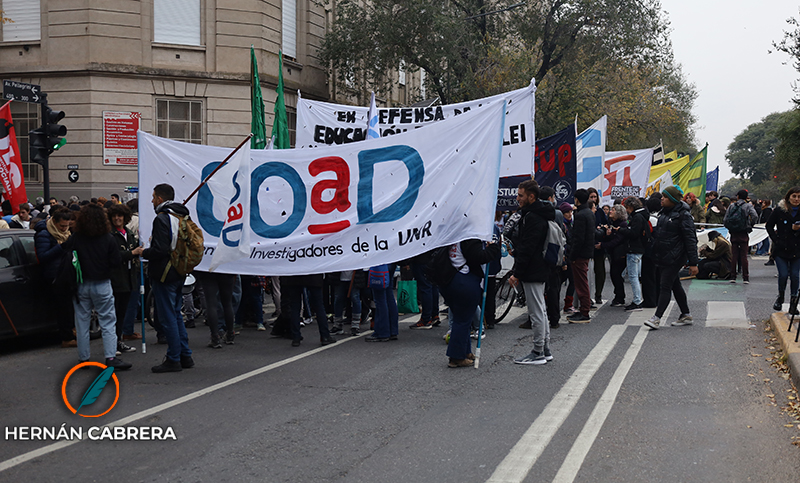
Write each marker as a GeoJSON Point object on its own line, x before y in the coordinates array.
{"type": "Point", "coordinates": [98, 255]}
{"type": "Point", "coordinates": [783, 227]}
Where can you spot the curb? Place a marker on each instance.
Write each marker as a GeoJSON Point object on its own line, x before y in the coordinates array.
{"type": "Point", "coordinates": [791, 348]}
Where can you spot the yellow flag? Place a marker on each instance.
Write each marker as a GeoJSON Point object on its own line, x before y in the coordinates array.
{"type": "Point", "coordinates": [669, 157]}
{"type": "Point", "coordinates": [692, 178]}
{"type": "Point", "coordinates": [672, 166]}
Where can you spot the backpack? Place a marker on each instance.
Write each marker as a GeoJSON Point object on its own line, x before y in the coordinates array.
{"type": "Point", "coordinates": [439, 270]}
{"type": "Point", "coordinates": [736, 221]}
{"type": "Point", "coordinates": [553, 252]}
{"type": "Point", "coordinates": [188, 252]}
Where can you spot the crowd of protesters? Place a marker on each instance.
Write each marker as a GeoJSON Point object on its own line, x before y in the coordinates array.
{"type": "Point", "coordinates": [653, 241]}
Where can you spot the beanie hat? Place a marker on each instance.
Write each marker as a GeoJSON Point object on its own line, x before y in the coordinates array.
{"type": "Point", "coordinates": [674, 193]}
{"type": "Point", "coordinates": [565, 207]}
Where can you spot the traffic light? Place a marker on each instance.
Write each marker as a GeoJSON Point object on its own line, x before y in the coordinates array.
{"type": "Point", "coordinates": [55, 131]}
{"type": "Point", "coordinates": [39, 146]}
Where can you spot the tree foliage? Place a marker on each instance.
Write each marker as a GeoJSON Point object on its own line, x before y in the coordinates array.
{"type": "Point", "coordinates": [752, 152]}
{"type": "Point", "coordinates": [589, 58]}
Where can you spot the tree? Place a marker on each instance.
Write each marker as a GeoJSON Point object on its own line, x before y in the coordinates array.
{"type": "Point", "coordinates": [589, 58]}
{"type": "Point", "coordinates": [752, 152]}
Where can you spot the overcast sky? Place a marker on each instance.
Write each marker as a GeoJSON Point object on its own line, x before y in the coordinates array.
{"type": "Point", "coordinates": [723, 48]}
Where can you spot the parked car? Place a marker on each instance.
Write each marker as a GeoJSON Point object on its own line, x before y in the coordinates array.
{"type": "Point", "coordinates": [23, 306]}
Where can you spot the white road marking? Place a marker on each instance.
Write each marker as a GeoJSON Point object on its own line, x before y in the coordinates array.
{"type": "Point", "coordinates": [10, 463]}
{"type": "Point", "coordinates": [519, 461]}
{"type": "Point", "coordinates": [583, 443]}
{"type": "Point", "coordinates": [730, 314]}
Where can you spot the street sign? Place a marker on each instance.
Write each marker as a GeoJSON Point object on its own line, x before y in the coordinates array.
{"type": "Point", "coordinates": [73, 176]}
{"type": "Point", "coordinates": [72, 166]}
{"type": "Point", "coordinates": [20, 91]}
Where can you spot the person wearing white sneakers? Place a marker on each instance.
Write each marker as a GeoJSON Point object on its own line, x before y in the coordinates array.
{"type": "Point", "coordinates": [674, 244]}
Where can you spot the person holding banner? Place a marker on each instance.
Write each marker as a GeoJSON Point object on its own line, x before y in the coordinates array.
{"type": "Point", "coordinates": [674, 244]}
{"type": "Point", "coordinates": [165, 282]}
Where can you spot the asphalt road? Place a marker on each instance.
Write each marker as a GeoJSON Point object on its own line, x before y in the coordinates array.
{"type": "Point", "coordinates": [618, 403]}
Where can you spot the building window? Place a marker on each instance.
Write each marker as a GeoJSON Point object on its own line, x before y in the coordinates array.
{"type": "Point", "coordinates": [26, 118]}
{"type": "Point", "coordinates": [26, 16]}
{"type": "Point", "coordinates": [289, 28]}
{"type": "Point", "coordinates": [180, 120]}
{"type": "Point", "coordinates": [291, 120]}
{"type": "Point", "coordinates": [176, 22]}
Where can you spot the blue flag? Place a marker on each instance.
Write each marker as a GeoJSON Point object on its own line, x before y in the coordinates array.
{"type": "Point", "coordinates": [712, 180]}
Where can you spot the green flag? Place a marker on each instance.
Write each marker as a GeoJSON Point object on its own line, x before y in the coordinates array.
{"type": "Point", "coordinates": [280, 127]}
{"type": "Point", "coordinates": [257, 125]}
{"type": "Point", "coordinates": [692, 178]}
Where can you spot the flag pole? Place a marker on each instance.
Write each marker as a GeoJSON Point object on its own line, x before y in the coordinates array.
{"type": "Point", "coordinates": [218, 168]}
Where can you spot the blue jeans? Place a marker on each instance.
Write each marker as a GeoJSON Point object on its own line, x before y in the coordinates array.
{"type": "Point", "coordinates": [463, 296]}
{"type": "Point", "coordinates": [341, 300]}
{"type": "Point", "coordinates": [386, 318]}
{"type": "Point", "coordinates": [429, 293]}
{"type": "Point", "coordinates": [634, 271]}
{"type": "Point", "coordinates": [788, 269]}
{"type": "Point", "coordinates": [97, 295]}
{"type": "Point", "coordinates": [169, 300]}
{"type": "Point", "coordinates": [133, 307]}
{"type": "Point", "coordinates": [763, 247]}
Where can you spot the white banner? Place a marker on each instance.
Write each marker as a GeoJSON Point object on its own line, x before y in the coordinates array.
{"type": "Point", "coordinates": [343, 207]}
{"type": "Point", "coordinates": [625, 173]}
{"type": "Point", "coordinates": [591, 149]}
{"type": "Point", "coordinates": [322, 123]}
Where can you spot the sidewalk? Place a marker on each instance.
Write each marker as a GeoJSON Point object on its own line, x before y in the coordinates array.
{"type": "Point", "coordinates": [780, 325]}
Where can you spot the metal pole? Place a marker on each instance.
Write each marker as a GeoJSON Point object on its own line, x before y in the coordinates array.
{"type": "Point", "coordinates": [218, 168]}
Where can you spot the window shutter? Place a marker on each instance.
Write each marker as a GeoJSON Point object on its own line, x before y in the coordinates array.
{"type": "Point", "coordinates": [176, 22]}
{"type": "Point", "coordinates": [27, 17]}
{"type": "Point", "coordinates": [289, 28]}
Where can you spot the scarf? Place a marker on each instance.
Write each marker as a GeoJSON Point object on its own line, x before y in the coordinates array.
{"type": "Point", "coordinates": [59, 235]}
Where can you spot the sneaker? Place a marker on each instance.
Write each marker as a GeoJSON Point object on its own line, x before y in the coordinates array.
{"type": "Point", "coordinates": [189, 324]}
{"type": "Point", "coordinates": [446, 336]}
{"type": "Point", "coordinates": [134, 336]}
{"type": "Point", "coordinates": [532, 359]}
{"type": "Point", "coordinates": [598, 301]}
{"type": "Point", "coordinates": [334, 330]}
{"type": "Point", "coordinates": [617, 303]}
{"type": "Point", "coordinates": [555, 325]}
{"type": "Point", "coordinates": [632, 307]}
{"type": "Point", "coordinates": [684, 319]}
{"type": "Point", "coordinates": [392, 337]}
{"type": "Point", "coordinates": [295, 343]}
{"type": "Point", "coordinates": [526, 324]}
{"type": "Point", "coordinates": [435, 321]}
{"type": "Point", "coordinates": [372, 338]}
{"type": "Point", "coordinates": [215, 344]}
{"type": "Point", "coordinates": [474, 335]}
{"type": "Point", "coordinates": [118, 364]}
{"type": "Point", "coordinates": [422, 325]}
{"type": "Point", "coordinates": [328, 341]}
{"type": "Point", "coordinates": [229, 338]}
{"type": "Point", "coordinates": [547, 355]}
{"type": "Point", "coordinates": [778, 305]}
{"type": "Point", "coordinates": [305, 322]}
{"type": "Point", "coordinates": [460, 363]}
{"type": "Point", "coordinates": [770, 263]}
{"type": "Point", "coordinates": [733, 280]}
{"type": "Point", "coordinates": [746, 282]}
{"type": "Point", "coordinates": [187, 362]}
{"type": "Point", "coordinates": [167, 366]}
{"type": "Point", "coordinates": [354, 331]}
{"type": "Point", "coordinates": [653, 322]}
{"type": "Point", "coordinates": [570, 311]}
{"type": "Point", "coordinates": [260, 327]}
{"type": "Point", "coordinates": [579, 319]}
{"type": "Point", "coordinates": [124, 348]}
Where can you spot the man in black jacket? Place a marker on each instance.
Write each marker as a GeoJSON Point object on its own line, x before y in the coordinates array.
{"type": "Point", "coordinates": [674, 245]}
{"type": "Point", "coordinates": [637, 233]}
{"type": "Point", "coordinates": [165, 282]}
{"type": "Point", "coordinates": [600, 219]}
{"type": "Point", "coordinates": [581, 251]}
{"type": "Point", "coordinates": [530, 268]}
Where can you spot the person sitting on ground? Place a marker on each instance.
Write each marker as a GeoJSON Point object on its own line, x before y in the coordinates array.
{"type": "Point", "coordinates": [716, 261]}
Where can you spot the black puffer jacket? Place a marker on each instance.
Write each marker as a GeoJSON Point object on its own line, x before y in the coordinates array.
{"type": "Point", "coordinates": [528, 241]}
{"type": "Point", "coordinates": [48, 251]}
{"type": "Point", "coordinates": [785, 240]}
{"type": "Point", "coordinates": [583, 224]}
{"type": "Point", "coordinates": [635, 232]}
{"type": "Point", "coordinates": [123, 276]}
{"type": "Point", "coordinates": [161, 244]}
{"type": "Point", "coordinates": [674, 239]}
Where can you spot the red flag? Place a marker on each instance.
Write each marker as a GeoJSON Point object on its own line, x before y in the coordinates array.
{"type": "Point", "coordinates": [10, 161]}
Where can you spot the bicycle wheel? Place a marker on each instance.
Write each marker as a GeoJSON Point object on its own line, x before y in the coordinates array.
{"type": "Point", "coordinates": [149, 309]}
{"type": "Point", "coordinates": [504, 297]}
